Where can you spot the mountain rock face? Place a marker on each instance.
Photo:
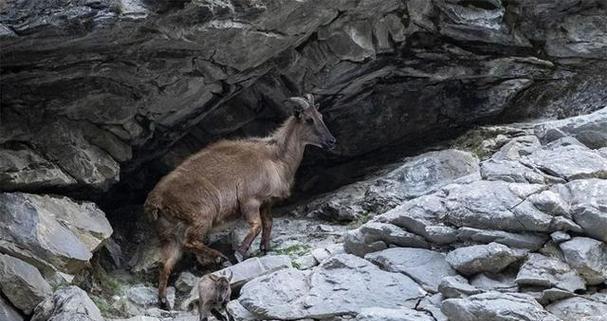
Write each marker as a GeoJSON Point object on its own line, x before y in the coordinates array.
{"type": "Point", "coordinates": [99, 98]}
{"type": "Point", "coordinates": [94, 89]}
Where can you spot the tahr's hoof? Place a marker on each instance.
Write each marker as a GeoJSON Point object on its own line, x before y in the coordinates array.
{"type": "Point", "coordinates": [239, 257]}
{"type": "Point", "coordinates": [163, 304]}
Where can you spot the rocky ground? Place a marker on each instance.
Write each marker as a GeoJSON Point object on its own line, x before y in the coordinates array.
{"type": "Point", "coordinates": [99, 98]}
{"type": "Point", "coordinates": [510, 226]}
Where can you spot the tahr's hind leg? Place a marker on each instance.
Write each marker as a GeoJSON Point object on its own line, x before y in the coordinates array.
{"type": "Point", "coordinates": [266, 231]}
{"type": "Point", "coordinates": [194, 243]}
{"type": "Point", "coordinates": [171, 252]}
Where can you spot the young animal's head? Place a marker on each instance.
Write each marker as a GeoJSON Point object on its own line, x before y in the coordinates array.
{"type": "Point", "coordinates": [222, 283]}
{"type": "Point", "coordinates": [313, 128]}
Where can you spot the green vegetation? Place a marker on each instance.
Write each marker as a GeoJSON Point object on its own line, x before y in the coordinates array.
{"type": "Point", "coordinates": [472, 141]}
{"type": "Point", "coordinates": [295, 249]}
{"type": "Point", "coordinates": [362, 219]}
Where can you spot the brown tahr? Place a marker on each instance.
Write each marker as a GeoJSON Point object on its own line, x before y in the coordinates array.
{"type": "Point", "coordinates": [228, 180]}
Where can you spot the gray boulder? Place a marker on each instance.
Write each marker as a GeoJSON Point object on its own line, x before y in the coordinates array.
{"type": "Point", "coordinates": [587, 199]}
{"type": "Point", "coordinates": [383, 314]}
{"type": "Point", "coordinates": [530, 241]}
{"type": "Point", "coordinates": [24, 169]}
{"type": "Point", "coordinates": [51, 232]}
{"type": "Point", "coordinates": [547, 272]}
{"type": "Point", "coordinates": [8, 313]}
{"type": "Point", "coordinates": [492, 257]}
{"type": "Point", "coordinates": [185, 282]}
{"type": "Point", "coordinates": [588, 257]}
{"type": "Point", "coordinates": [589, 129]}
{"type": "Point", "coordinates": [343, 284]}
{"type": "Point", "coordinates": [494, 282]}
{"type": "Point", "coordinates": [375, 236]}
{"type": "Point", "coordinates": [426, 267]}
{"type": "Point", "coordinates": [67, 304]}
{"type": "Point", "coordinates": [568, 162]}
{"type": "Point", "coordinates": [22, 284]}
{"type": "Point", "coordinates": [456, 287]}
{"type": "Point", "coordinates": [496, 306]}
{"type": "Point", "coordinates": [579, 308]}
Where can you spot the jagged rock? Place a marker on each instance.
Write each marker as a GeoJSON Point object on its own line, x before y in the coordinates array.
{"type": "Point", "coordinates": [22, 284]}
{"type": "Point", "coordinates": [67, 304]}
{"type": "Point", "coordinates": [185, 282]}
{"type": "Point", "coordinates": [8, 313]}
{"type": "Point", "coordinates": [496, 306]}
{"type": "Point", "coordinates": [494, 282]}
{"type": "Point", "coordinates": [417, 176]}
{"type": "Point", "coordinates": [382, 314]}
{"type": "Point", "coordinates": [242, 273]}
{"type": "Point", "coordinates": [589, 129]}
{"type": "Point", "coordinates": [588, 200]}
{"type": "Point", "coordinates": [560, 237]}
{"type": "Point", "coordinates": [531, 241]}
{"type": "Point", "coordinates": [579, 308]}
{"type": "Point", "coordinates": [588, 257]}
{"type": "Point", "coordinates": [568, 162]}
{"type": "Point", "coordinates": [426, 267]}
{"type": "Point", "coordinates": [492, 257]}
{"type": "Point", "coordinates": [375, 236]}
{"type": "Point", "coordinates": [343, 284]}
{"type": "Point", "coordinates": [51, 232]}
{"type": "Point", "coordinates": [516, 148]}
{"type": "Point", "coordinates": [543, 271]}
{"type": "Point", "coordinates": [501, 206]}
{"type": "Point", "coordinates": [145, 297]}
{"type": "Point", "coordinates": [456, 287]}
{"type": "Point", "coordinates": [305, 262]}
{"type": "Point", "coordinates": [510, 171]}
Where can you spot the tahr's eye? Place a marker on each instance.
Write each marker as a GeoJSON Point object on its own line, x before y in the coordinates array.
{"type": "Point", "coordinates": [310, 121]}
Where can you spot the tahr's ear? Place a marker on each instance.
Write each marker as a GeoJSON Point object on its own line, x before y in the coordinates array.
{"type": "Point", "coordinates": [213, 277]}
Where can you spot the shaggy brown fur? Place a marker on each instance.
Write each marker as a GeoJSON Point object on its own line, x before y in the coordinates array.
{"type": "Point", "coordinates": [213, 295]}
{"type": "Point", "coordinates": [228, 180]}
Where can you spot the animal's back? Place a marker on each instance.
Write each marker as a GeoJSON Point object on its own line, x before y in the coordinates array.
{"type": "Point", "coordinates": [208, 184]}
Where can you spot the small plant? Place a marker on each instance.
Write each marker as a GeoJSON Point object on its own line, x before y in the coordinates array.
{"type": "Point", "coordinates": [362, 219]}
{"type": "Point", "coordinates": [295, 249]}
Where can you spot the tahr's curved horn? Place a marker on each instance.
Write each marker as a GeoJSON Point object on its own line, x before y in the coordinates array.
{"type": "Point", "coordinates": [229, 275]}
{"type": "Point", "coordinates": [301, 102]}
{"type": "Point", "coordinates": [310, 98]}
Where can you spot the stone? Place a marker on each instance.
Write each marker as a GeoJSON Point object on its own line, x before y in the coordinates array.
{"type": "Point", "coordinates": [568, 162]}
{"type": "Point", "coordinates": [560, 237]}
{"type": "Point", "coordinates": [51, 232]}
{"type": "Point", "coordinates": [8, 313]}
{"type": "Point", "coordinates": [425, 267]}
{"type": "Point", "coordinates": [494, 282]}
{"type": "Point", "coordinates": [543, 271]}
{"type": "Point", "coordinates": [492, 257]}
{"type": "Point", "coordinates": [383, 314]}
{"type": "Point", "coordinates": [531, 241]}
{"type": "Point", "coordinates": [343, 284]}
{"type": "Point", "coordinates": [588, 201]}
{"type": "Point", "coordinates": [22, 284]}
{"type": "Point", "coordinates": [510, 171]}
{"type": "Point", "coordinates": [381, 235]}
{"type": "Point", "coordinates": [145, 297]}
{"type": "Point", "coordinates": [588, 257]}
{"type": "Point", "coordinates": [456, 287]}
{"type": "Point", "coordinates": [67, 304]}
{"type": "Point", "coordinates": [305, 262]}
{"type": "Point", "coordinates": [591, 129]}
{"type": "Point", "coordinates": [496, 306]}
{"type": "Point", "coordinates": [239, 313]}
{"type": "Point", "coordinates": [578, 308]}
{"type": "Point", "coordinates": [185, 282]}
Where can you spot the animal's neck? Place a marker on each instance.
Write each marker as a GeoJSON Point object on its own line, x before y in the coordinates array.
{"type": "Point", "coordinates": [289, 145]}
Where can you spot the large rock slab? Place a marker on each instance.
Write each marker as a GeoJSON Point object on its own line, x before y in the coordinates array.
{"type": "Point", "coordinates": [426, 267]}
{"type": "Point", "coordinates": [22, 284]}
{"type": "Point", "coordinates": [495, 306]}
{"type": "Point", "coordinates": [530, 241]}
{"type": "Point", "coordinates": [456, 287]}
{"type": "Point", "coordinates": [51, 232]}
{"type": "Point", "coordinates": [375, 236]}
{"type": "Point", "coordinates": [8, 313]}
{"type": "Point", "coordinates": [543, 271]}
{"type": "Point", "coordinates": [568, 162]}
{"type": "Point", "coordinates": [402, 314]}
{"type": "Point", "coordinates": [589, 129]}
{"type": "Point", "coordinates": [67, 304]}
{"type": "Point", "coordinates": [579, 308]}
{"type": "Point", "coordinates": [417, 176]}
{"type": "Point", "coordinates": [343, 284]}
{"type": "Point", "coordinates": [492, 257]}
{"type": "Point", "coordinates": [587, 199]}
{"type": "Point", "coordinates": [588, 257]}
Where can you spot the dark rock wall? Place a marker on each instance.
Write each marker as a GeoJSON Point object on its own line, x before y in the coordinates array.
{"type": "Point", "coordinates": [97, 89]}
